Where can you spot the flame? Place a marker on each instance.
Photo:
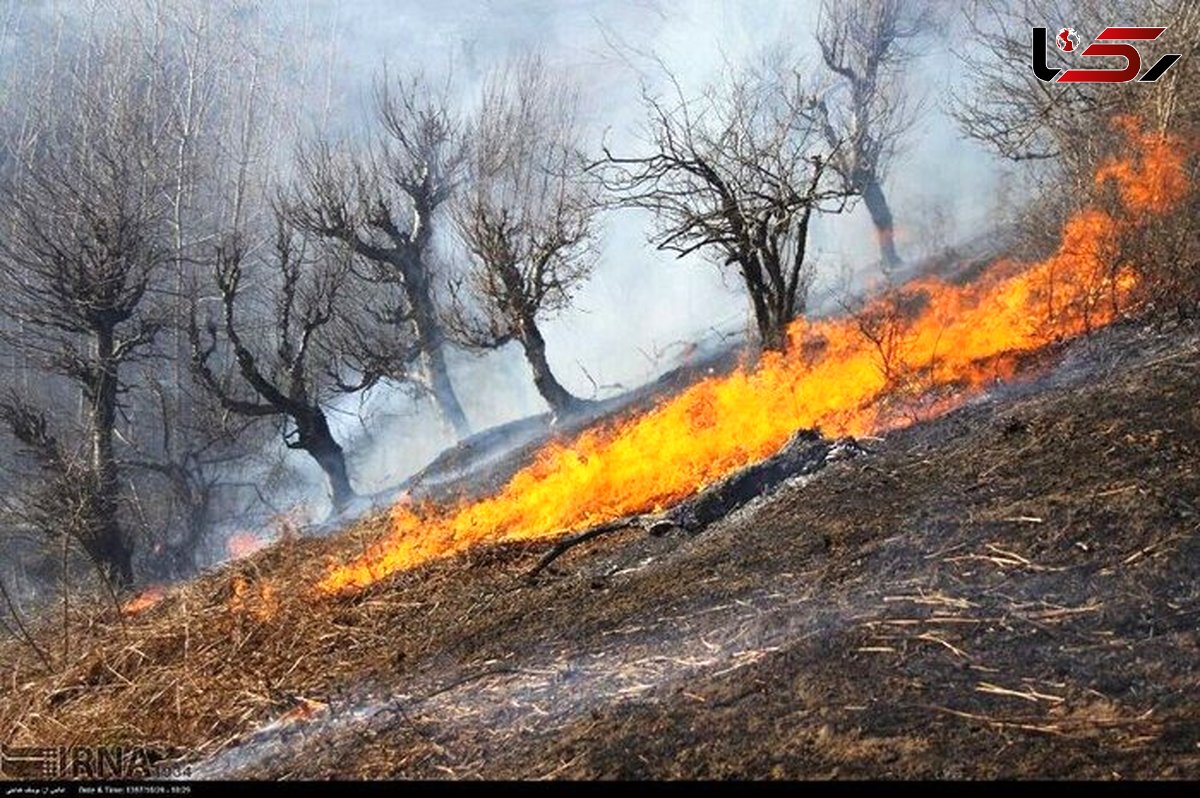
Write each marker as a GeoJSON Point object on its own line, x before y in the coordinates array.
{"type": "Point", "coordinates": [305, 709]}
{"type": "Point", "coordinates": [1158, 181]}
{"type": "Point", "coordinates": [935, 344]}
{"type": "Point", "coordinates": [143, 601]}
{"type": "Point", "coordinates": [257, 599]}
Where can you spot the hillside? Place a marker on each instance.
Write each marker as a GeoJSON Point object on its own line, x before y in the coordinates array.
{"type": "Point", "coordinates": [1009, 590]}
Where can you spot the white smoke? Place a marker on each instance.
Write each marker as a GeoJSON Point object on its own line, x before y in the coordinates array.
{"type": "Point", "coordinates": [632, 321]}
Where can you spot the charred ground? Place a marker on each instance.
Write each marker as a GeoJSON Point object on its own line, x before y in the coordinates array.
{"type": "Point", "coordinates": [1009, 590]}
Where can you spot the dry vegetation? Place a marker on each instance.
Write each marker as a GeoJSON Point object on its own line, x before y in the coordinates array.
{"type": "Point", "coordinates": [1007, 591]}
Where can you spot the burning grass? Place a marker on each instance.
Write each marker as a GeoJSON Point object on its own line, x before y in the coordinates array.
{"type": "Point", "coordinates": [955, 340]}
{"type": "Point", "coordinates": [144, 600]}
{"type": "Point", "coordinates": [203, 663]}
{"type": "Point", "coordinates": [921, 554]}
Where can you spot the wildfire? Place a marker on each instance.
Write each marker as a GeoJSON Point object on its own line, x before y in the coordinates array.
{"type": "Point", "coordinates": [931, 342]}
{"type": "Point", "coordinates": [143, 601]}
{"type": "Point", "coordinates": [1158, 181]}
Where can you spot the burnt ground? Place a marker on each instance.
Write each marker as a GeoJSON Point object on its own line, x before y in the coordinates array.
{"type": "Point", "coordinates": [1010, 590]}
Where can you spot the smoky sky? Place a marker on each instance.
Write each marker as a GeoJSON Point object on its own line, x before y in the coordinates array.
{"type": "Point", "coordinates": [635, 317]}
{"type": "Point", "coordinates": [641, 309]}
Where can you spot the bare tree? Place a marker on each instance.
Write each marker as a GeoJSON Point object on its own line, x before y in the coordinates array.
{"type": "Point", "coordinates": [1010, 110]}
{"type": "Point", "coordinates": [384, 205]}
{"type": "Point", "coordinates": [526, 215]}
{"type": "Point", "coordinates": [66, 503]}
{"type": "Point", "coordinates": [190, 453]}
{"type": "Point", "coordinates": [288, 368]}
{"type": "Point", "coordinates": [211, 64]}
{"type": "Point", "coordinates": [867, 44]}
{"type": "Point", "coordinates": [737, 173]}
{"type": "Point", "coordinates": [84, 245]}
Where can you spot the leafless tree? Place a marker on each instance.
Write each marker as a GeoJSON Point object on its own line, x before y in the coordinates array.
{"type": "Point", "coordinates": [213, 66]}
{"type": "Point", "coordinates": [526, 214]}
{"type": "Point", "coordinates": [65, 506]}
{"type": "Point", "coordinates": [1009, 109]}
{"type": "Point", "coordinates": [737, 173]}
{"type": "Point", "coordinates": [868, 46]}
{"type": "Point", "coordinates": [384, 204]}
{"type": "Point", "coordinates": [84, 245]}
{"type": "Point", "coordinates": [191, 453]}
{"type": "Point", "coordinates": [287, 344]}
{"type": "Point", "coordinates": [55, 512]}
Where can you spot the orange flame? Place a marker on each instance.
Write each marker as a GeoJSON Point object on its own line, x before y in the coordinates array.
{"type": "Point", "coordinates": [947, 342]}
{"type": "Point", "coordinates": [257, 599]}
{"type": "Point", "coordinates": [1158, 181]}
{"type": "Point", "coordinates": [143, 601]}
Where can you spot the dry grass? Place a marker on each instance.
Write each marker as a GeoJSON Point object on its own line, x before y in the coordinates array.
{"type": "Point", "coordinates": [902, 614]}
{"type": "Point", "coordinates": [228, 651]}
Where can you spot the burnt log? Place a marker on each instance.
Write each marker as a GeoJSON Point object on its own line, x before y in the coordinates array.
{"type": "Point", "coordinates": [805, 453]}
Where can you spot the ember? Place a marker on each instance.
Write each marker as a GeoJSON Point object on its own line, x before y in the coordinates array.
{"type": "Point", "coordinates": [256, 599]}
{"type": "Point", "coordinates": [143, 601]}
{"type": "Point", "coordinates": [955, 340]}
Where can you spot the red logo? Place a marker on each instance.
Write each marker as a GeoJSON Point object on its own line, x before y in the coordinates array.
{"type": "Point", "coordinates": [1112, 42]}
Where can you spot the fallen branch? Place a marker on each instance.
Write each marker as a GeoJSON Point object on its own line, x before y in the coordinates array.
{"type": "Point", "coordinates": [805, 453]}
{"type": "Point", "coordinates": [570, 541]}
{"type": "Point", "coordinates": [1028, 695]}
{"type": "Point", "coordinates": [1052, 729]}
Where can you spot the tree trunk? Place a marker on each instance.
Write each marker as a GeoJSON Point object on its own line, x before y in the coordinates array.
{"type": "Point", "coordinates": [559, 398]}
{"type": "Point", "coordinates": [196, 501]}
{"type": "Point", "coordinates": [881, 217]}
{"type": "Point", "coordinates": [760, 300]}
{"type": "Point", "coordinates": [773, 314]}
{"type": "Point", "coordinates": [316, 439]}
{"type": "Point", "coordinates": [434, 361]}
{"type": "Point", "coordinates": [110, 544]}
{"type": "Point", "coordinates": [432, 342]}
{"type": "Point", "coordinates": [773, 335]}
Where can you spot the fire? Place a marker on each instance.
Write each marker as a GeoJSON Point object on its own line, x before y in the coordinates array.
{"type": "Point", "coordinates": [305, 709]}
{"type": "Point", "coordinates": [143, 601]}
{"type": "Point", "coordinates": [256, 599]}
{"type": "Point", "coordinates": [1162, 181]}
{"type": "Point", "coordinates": [938, 342]}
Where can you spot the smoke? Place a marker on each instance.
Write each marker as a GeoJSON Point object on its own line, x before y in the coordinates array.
{"type": "Point", "coordinates": [637, 316]}
{"type": "Point", "coordinates": [640, 311]}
